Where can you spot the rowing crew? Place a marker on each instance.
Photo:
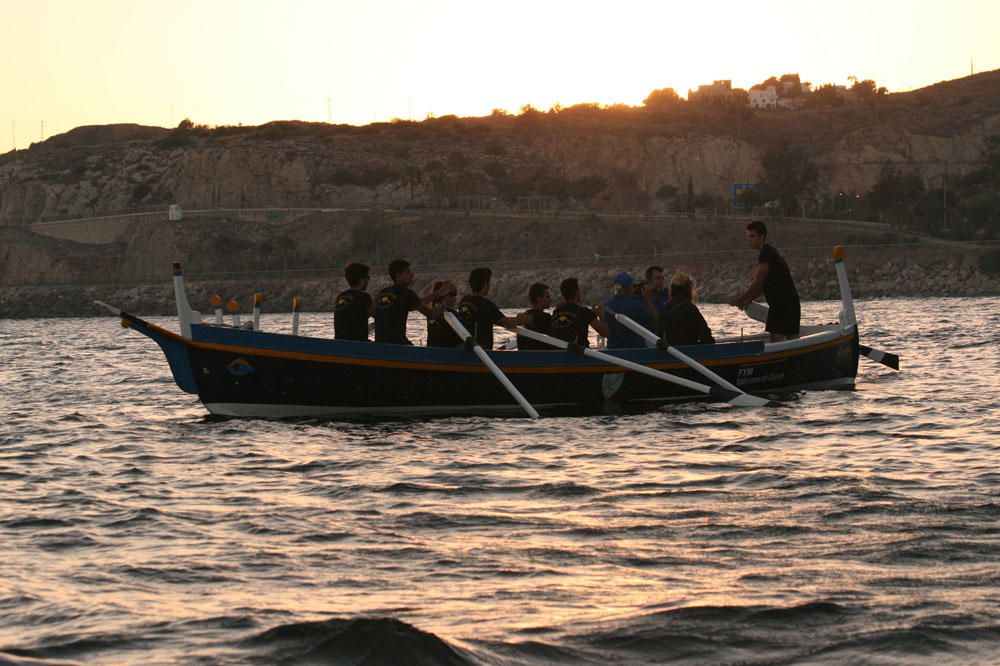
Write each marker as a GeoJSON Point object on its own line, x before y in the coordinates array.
{"type": "Point", "coordinates": [671, 314]}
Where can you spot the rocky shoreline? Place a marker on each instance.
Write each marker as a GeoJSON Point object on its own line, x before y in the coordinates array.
{"type": "Point", "coordinates": [926, 274]}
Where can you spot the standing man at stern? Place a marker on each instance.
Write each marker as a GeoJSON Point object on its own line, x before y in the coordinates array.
{"type": "Point", "coordinates": [774, 280]}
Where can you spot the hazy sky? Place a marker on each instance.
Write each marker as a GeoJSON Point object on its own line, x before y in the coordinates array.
{"type": "Point", "coordinates": [82, 62]}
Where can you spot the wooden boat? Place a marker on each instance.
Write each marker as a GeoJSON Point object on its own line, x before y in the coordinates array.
{"type": "Point", "coordinates": [253, 373]}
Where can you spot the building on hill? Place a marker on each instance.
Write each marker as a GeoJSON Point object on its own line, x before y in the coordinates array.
{"type": "Point", "coordinates": [766, 98]}
{"type": "Point", "coordinates": [791, 102]}
{"type": "Point", "coordinates": [718, 92]}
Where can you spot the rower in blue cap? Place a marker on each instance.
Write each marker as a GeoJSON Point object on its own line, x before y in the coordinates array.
{"type": "Point", "coordinates": [638, 307]}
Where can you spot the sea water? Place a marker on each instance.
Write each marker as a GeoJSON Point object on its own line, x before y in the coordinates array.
{"type": "Point", "coordinates": [845, 527]}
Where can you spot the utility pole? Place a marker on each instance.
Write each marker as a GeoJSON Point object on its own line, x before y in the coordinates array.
{"type": "Point", "coordinates": [42, 132]}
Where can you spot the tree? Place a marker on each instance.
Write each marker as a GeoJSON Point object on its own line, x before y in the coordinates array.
{"type": "Point", "coordinates": [895, 194]}
{"type": "Point", "coordinates": [667, 192]}
{"type": "Point", "coordinates": [586, 188]}
{"type": "Point", "coordinates": [991, 155]}
{"type": "Point", "coordinates": [284, 247]}
{"type": "Point", "coordinates": [793, 87]}
{"type": "Point", "coordinates": [864, 89]}
{"type": "Point", "coordinates": [749, 199]}
{"type": "Point", "coordinates": [662, 98]}
{"type": "Point", "coordinates": [786, 174]}
{"type": "Point", "coordinates": [826, 95]}
{"type": "Point", "coordinates": [529, 117]}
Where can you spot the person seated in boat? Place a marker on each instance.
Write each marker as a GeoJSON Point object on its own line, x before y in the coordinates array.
{"type": "Point", "coordinates": [479, 314]}
{"type": "Point", "coordinates": [774, 280]}
{"type": "Point", "coordinates": [571, 321]}
{"type": "Point", "coordinates": [637, 306]}
{"type": "Point", "coordinates": [654, 282]}
{"type": "Point", "coordinates": [394, 303]}
{"type": "Point", "coordinates": [682, 322]}
{"type": "Point", "coordinates": [439, 332]}
{"type": "Point", "coordinates": [541, 320]}
{"type": "Point", "coordinates": [354, 306]}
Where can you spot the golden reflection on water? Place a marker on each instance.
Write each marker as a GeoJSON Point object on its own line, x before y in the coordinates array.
{"type": "Point", "coordinates": [879, 500]}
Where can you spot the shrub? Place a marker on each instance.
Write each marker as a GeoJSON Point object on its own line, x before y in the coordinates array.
{"type": "Point", "coordinates": [667, 192]}
{"type": "Point", "coordinates": [456, 160]}
{"type": "Point", "coordinates": [140, 192]}
{"type": "Point", "coordinates": [373, 176]}
{"type": "Point", "coordinates": [989, 262]}
{"type": "Point", "coordinates": [177, 138]}
{"type": "Point", "coordinates": [495, 170]}
{"type": "Point", "coordinates": [343, 177]}
{"type": "Point", "coordinates": [495, 148]}
{"type": "Point", "coordinates": [585, 188]}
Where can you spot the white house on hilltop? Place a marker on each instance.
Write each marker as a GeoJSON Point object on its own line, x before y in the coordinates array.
{"type": "Point", "coordinates": [764, 99]}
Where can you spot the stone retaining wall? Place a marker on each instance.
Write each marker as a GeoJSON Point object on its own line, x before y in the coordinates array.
{"type": "Point", "coordinates": [816, 280]}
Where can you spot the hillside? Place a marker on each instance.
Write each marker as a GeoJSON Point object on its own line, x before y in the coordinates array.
{"type": "Point", "coordinates": [607, 159]}
{"type": "Point", "coordinates": [559, 186]}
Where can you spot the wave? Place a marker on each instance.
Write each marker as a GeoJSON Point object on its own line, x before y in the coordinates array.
{"type": "Point", "coordinates": [358, 642]}
{"type": "Point", "coordinates": [10, 659]}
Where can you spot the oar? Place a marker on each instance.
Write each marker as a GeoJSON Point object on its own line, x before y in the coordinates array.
{"type": "Point", "coordinates": [648, 335]}
{"type": "Point", "coordinates": [885, 358]}
{"type": "Point", "coordinates": [463, 333]}
{"type": "Point", "coordinates": [721, 394]}
{"type": "Point", "coordinates": [759, 311]}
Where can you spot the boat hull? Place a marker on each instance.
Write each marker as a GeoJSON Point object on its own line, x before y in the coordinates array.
{"type": "Point", "coordinates": [255, 374]}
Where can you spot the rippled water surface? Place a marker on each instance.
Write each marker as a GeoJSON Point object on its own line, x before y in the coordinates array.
{"type": "Point", "coordinates": [849, 526]}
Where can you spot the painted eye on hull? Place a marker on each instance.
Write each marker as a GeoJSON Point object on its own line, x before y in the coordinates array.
{"type": "Point", "coordinates": [240, 367]}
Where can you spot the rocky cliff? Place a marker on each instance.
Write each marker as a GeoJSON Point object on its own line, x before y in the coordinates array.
{"type": "Point", "coordinates": [630, 153]}
{"type": "Point", "coordinates": [592, 164]}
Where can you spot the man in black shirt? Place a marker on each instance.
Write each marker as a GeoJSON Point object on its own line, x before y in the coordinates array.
{"type": "Point", "coordinates": [654, 281]}
{"type": "Point", "coordinates": [570, 320]}
{"type": "Point", "coordinates": [479, 314]}
{"type": "Point", "coordinates": [541, 321]}
{"type": "Point", "coordinates": [774, 280]}
{"type": "Point", "coordinates": [439, 332]}
{"type": "Point", "coordinates": [354, 306]}
{"type": "Point", "coordinates": [393, 305]}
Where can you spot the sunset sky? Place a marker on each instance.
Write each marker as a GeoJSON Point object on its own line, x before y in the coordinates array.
{"type": "Point", "coordinates": [68, 63]}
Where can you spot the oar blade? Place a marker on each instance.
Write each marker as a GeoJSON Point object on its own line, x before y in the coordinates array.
{"type": "Point", "coordinates": [740, 399]}
{"type": "Point", "coordinates": [885, 358]}
{"type": "Point", "coordinates": [757, 311]}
